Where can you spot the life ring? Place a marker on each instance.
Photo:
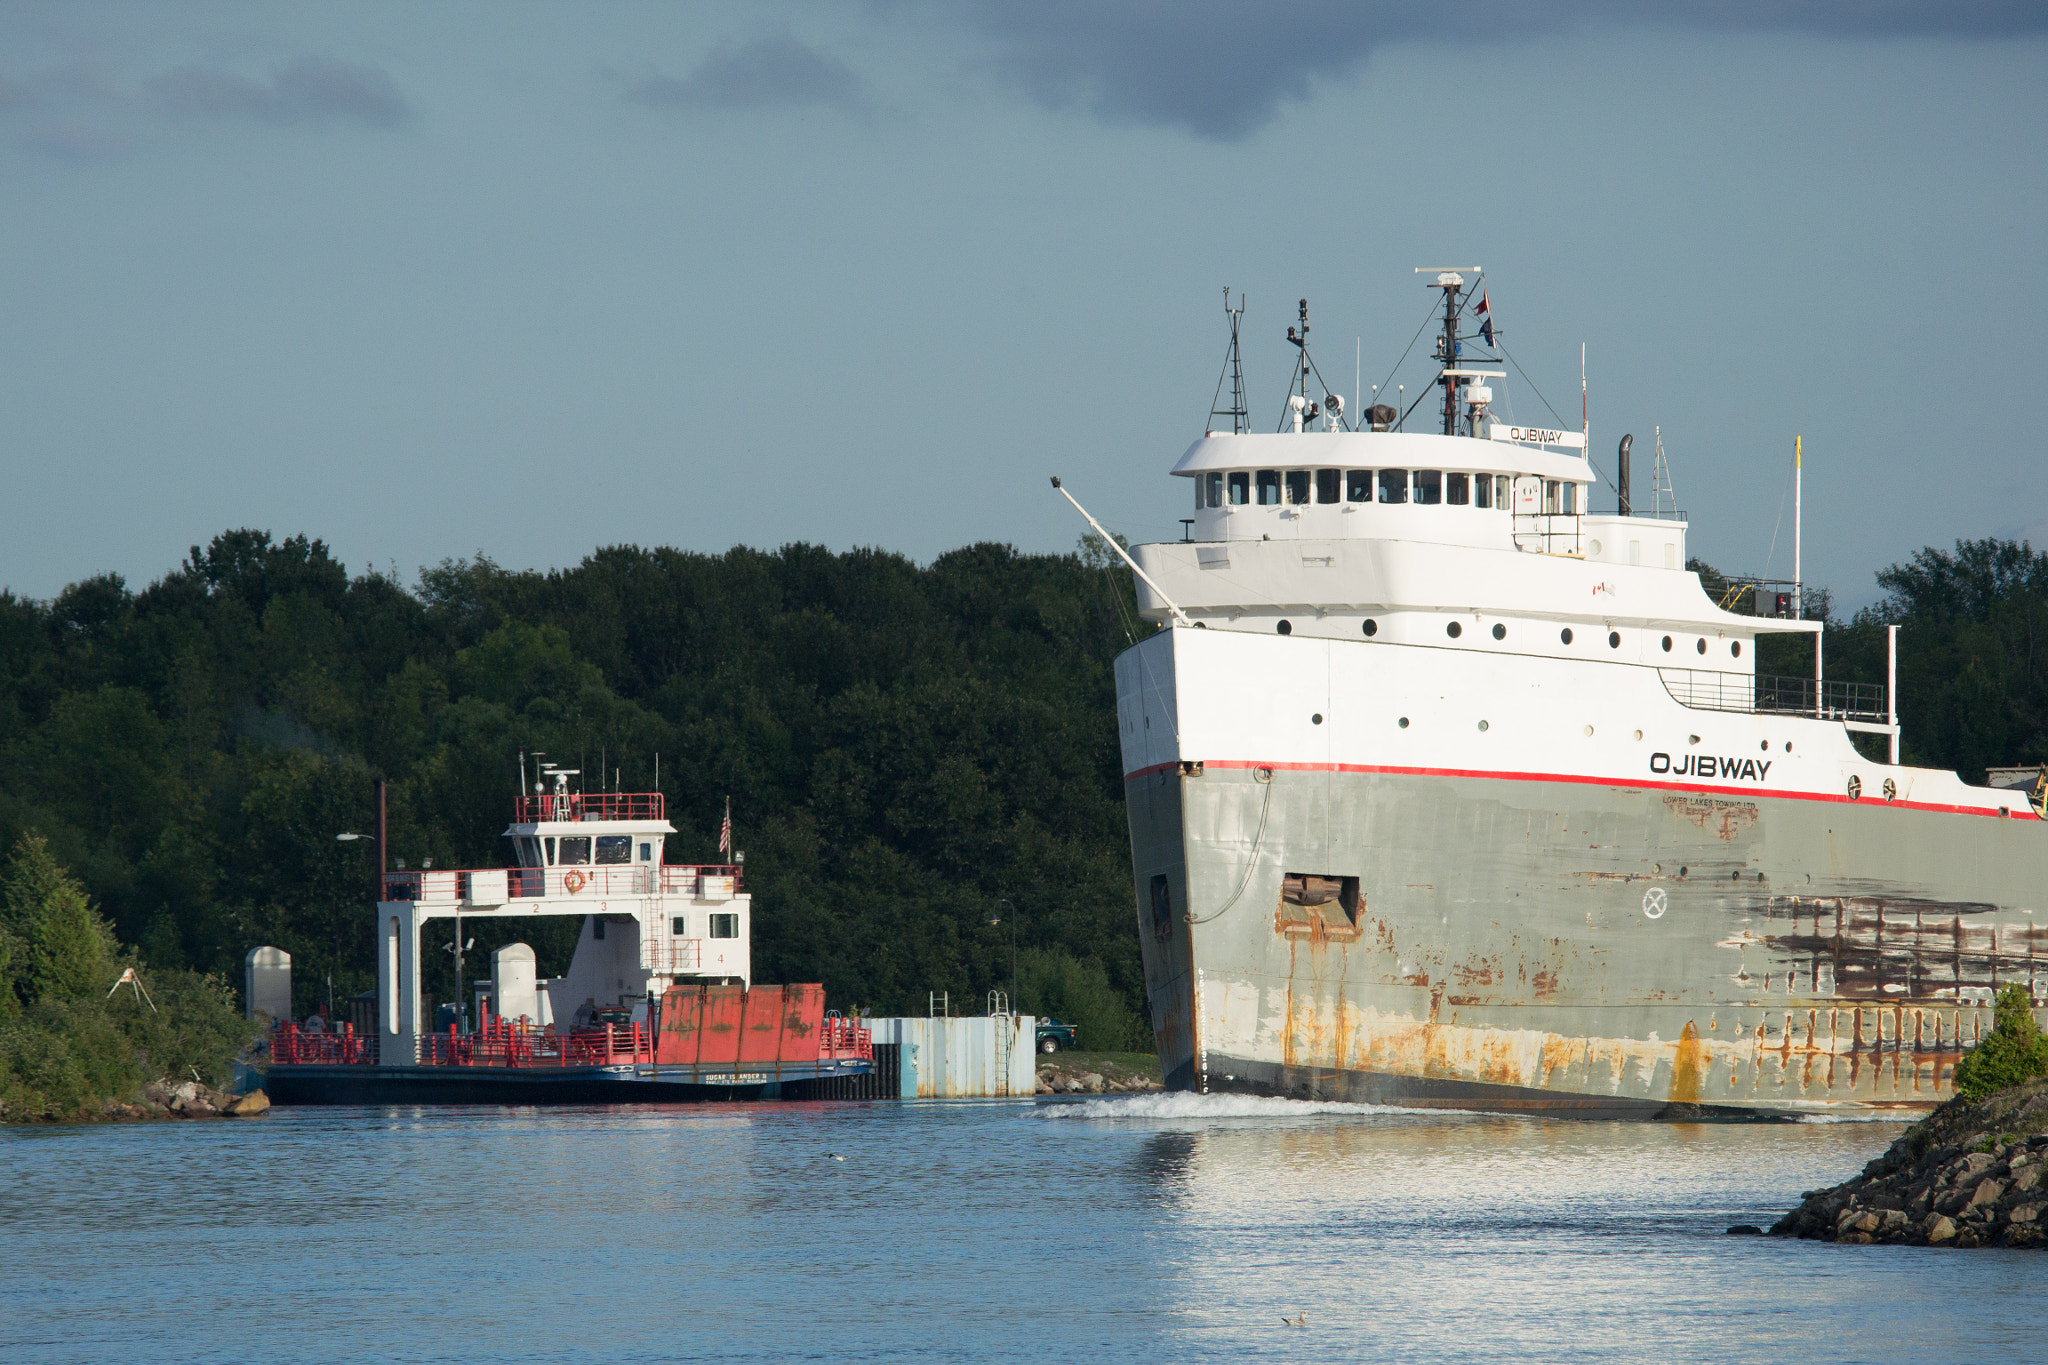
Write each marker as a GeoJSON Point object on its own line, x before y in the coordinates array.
{"type": "Point", "coordinates": [575, 881]}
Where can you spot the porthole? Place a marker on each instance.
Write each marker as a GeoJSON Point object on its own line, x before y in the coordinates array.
{"type": "Point", "coordinates": [1703, 644]}
{"type": "Point", "coordinates": [1285, 627]}
{"type": "Point", "coordinates": [1667, 644]}
{"type": "Point", "coordinates": [1683, 870]}
{"type": "Point", "coordinates": [1891, 790]}
{"type": "Point", "coordinates": [1404, 722]}
{"type": "Point", "coordinates": [1855, 788]}
{"type": "Point", "coordinates": [1614, 639]}
{"type": "Point", "coordinates": [1483, 727]}
{"type": "Point", "coordinates": [1316, 719]}
{"type": "Point", "coordinates": [1372, 627]}
{"type": "Point", "coordinates": [1735, 648]}
{"type": "Point", "coordinates": [1454, 630]}
{"type": "Point", "coordinates": [1564, 637]}
{"type": "Point", "coordinates": [1736, 875]}
{"type": "Point", "coordinates": [1589, 732]}
{"type": "Point", "coordinates": [1788, 746]}
{"type": "Point", "coordinates": [1595, 548]}
{"type": "Point", "coordinates": [1639, 734]}
{"type": "Point", "coordinates": [1500, 632]}
{"type": "Point", "coordinates": [1765, 746]}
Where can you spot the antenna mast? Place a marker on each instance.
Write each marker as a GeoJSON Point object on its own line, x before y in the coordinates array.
{"type": "Point", "coordinates": [1233, 374]}
{"type": "Point", "coordinates": [1452, 282]}
{"type": "Point", "coordinates": [1660, 481]}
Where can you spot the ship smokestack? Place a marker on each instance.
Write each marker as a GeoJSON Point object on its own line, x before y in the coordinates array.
{"type": "Point", "coordinates": [1621, 459]}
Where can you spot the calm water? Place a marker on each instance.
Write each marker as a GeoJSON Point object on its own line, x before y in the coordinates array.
{"type": "Point", "coordinates": [1149, 1227]}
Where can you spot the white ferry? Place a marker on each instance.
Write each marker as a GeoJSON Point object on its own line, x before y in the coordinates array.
{"type": "Point", "coordinates": [1445, 789]}
{"type": "Point", "coordinates": [658, 1002]}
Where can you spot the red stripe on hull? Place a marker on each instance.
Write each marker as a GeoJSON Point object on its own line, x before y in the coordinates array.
{"type": "Point", "coordinates": [1781, 794]}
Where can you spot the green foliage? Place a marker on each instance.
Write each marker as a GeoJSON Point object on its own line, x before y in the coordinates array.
{"type": "Point", "coordinates": [2015, 1051]}
{"type": "Point", "coordinates": [66, 1045]}
{"type": "Point", "coordinates": [1052, 983]}
{"type": "Point", "coordinates": [63, 943]}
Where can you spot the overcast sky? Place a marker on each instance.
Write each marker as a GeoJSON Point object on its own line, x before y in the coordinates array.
{"type": "Point", "coordinates": [429, 280]}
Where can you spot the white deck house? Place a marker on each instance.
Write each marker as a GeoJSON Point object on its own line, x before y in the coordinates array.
{"type": "Point", "coordinates": [646, 924]}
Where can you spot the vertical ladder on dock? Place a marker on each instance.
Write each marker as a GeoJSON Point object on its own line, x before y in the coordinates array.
{"type": "Point", "coordinates": [1005, 1025]}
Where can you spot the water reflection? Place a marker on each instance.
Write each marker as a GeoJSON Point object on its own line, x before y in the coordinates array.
{"type": "Point", "coordinates": [959, 1231]}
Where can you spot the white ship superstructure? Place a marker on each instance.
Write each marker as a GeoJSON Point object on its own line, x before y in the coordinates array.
{"type": "Point", "coordinates": [1445, 788]}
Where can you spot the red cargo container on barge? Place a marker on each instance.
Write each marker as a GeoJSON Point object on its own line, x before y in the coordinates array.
{"type": "Point", "coordinates": [658, 1002]}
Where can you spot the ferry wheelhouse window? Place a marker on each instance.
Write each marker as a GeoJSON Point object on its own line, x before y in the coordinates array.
{"type": "Point", "coordinates": [1240, 489]}
{"type": "Point", "coordinates": [549, 845]}
{"type": "Point", "coordinates": [1483, 490]}
{"type": "Point", "coordinates": [528, 849]}
{"type": "Point", "coordinates": [615, 848]}
{"type": "Point", "coordinates": [1457, 489]}
{"type": "Point", "coordinates": [1297, 487]}
{"type": "Point", "coordinates": [1500, 491]}
{"type": "Point", "coordinates": [725, 926]}
{"type": "Point", "coordinates": [1429, 487]}
{"type": "Point", "coordinates": [1329, 483]}
{"type": "Point", "coordinates": [1358, 485]}
{"type": "Point", "coordinates": [1212, 486]}
{"type": "Point", "coordinates": [1393, 485]}
{"type": "Point", "coordinates": [1269, 488]}
{"type": "Point", "coordinates": [575, 852]}
{"type": "Point", "coordinates": [1551, 505]}
{"type": "Point", "coordinates": [677, 926]}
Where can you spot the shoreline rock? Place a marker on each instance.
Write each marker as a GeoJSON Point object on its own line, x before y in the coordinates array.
{"type": "Point", "coordinates": [1092, 1078]}
{"type": "Point", "coordinates": [1967, 1175]}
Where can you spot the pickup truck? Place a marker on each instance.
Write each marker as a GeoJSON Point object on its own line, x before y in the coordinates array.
{"type": "Point", "coordinates": [1053, 1035]}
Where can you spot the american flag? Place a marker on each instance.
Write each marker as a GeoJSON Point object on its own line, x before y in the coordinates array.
{"type": "Point", "coordinates": [725, 830]}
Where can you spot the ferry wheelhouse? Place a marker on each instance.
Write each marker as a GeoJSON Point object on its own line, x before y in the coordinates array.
{"type": "Point", "coordinates": [1446, 789]}
{"type": "Point", "coordinates": [658, 1002]}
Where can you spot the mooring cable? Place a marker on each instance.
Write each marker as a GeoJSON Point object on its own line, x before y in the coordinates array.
{"type": "Point", "coordinates": [1258, 839]}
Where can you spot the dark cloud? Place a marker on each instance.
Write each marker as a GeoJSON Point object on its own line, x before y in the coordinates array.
{"type": "Point", "coordinates": [773, 72]}
{"type": "Point", "coordinates": [310, 90]}
{"type": "Point", "coordinates": [1223, 68]}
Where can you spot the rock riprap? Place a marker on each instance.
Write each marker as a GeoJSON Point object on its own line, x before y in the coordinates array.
{"type": "Point", "coordinates": [1968, 1175]}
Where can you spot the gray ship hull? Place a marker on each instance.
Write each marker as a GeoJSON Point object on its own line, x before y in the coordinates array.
{"type": "Point", "coordinates": [1578, 947]}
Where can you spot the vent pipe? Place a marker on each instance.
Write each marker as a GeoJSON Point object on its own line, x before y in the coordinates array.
{"type": "Point", "coordinates": [1621, 460]}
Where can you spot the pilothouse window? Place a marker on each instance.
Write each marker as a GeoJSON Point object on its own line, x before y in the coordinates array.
{"type": "Point", "coordinates": [1457, 489]}
{"type": "Point", "coordinates": [1393, 485]}
{"type": "Point", "coordinates": [1327, 483]}
{"type": "Point", "coordinates": [1213, 484]}
{"type": "Point", "coordinates": [615, 848]}
{"type": "Point", "coordinates": [1358, 485]}
{"type": "Point", "coordinates": [575, 852]}
{"type": "Point", "coordinates": [1297, 487]}
{"type": "Point", "coordinates": [1240, 489]}
{"type": "Point", "coordinates": [1429, 486]}
{"type": "Point", "coordinates": [1269, 488]}
{"type": "Point", "coordinates": [1484, 489]}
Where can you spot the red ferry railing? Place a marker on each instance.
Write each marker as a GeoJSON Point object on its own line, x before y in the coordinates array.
{"type": "Point", "coordinates": [588, 882]}
{"type": "Point", "coordinates": [528, 810]}
{"type": "Point", "coordinates": [501, 1044]}
{"type": "Point", "coordinates": [840, 1039]}
{"type": "Point", "coordinates": [292, 1045]}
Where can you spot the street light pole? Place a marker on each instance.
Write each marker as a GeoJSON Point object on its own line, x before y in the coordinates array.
{"type": "Point", "coordinates": [998, 919]}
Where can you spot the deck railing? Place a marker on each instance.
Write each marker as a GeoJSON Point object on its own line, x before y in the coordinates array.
{"type": "Point", "coordinates": [292, 1045]}
{"type": "Point", "coordinates": [713, 881]}
{"type": "Point", "coordinates": [528, 810]}
{"type": "Point", "coordinates": [1705, 690]}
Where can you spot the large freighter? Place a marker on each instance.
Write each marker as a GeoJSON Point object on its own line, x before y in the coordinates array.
{"type": "Point", "coordinates": [1445, 790]}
